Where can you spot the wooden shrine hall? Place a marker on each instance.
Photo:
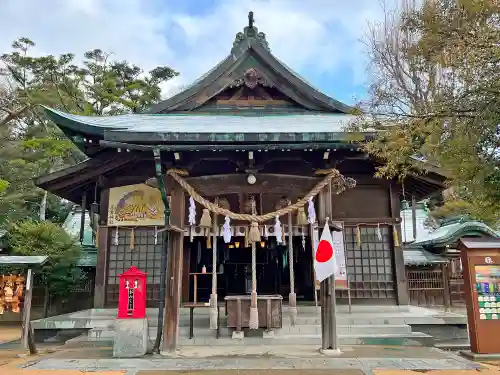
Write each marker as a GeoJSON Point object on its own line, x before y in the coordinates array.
{"type": "Point", "coordinates": [244, 163]}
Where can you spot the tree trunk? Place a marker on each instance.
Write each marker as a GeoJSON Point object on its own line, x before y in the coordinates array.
{"type": "Point", "coordinates": [43, 206]}
{"type": "Point", "coordinates": [46, 299]}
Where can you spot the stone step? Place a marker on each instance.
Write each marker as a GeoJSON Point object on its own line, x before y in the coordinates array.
{"type": "Point", "coordinates": [286, 332]}
{"type": "Point", "coordinates": [348, 329]}
{"type": "Point", "coordinates": [413, 339]}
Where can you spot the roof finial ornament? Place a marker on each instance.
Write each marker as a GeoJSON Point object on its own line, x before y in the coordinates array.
{"type": "Point", "coordinates": [250, 19]}
{"type": "Point", "coordinates": [250, 32]}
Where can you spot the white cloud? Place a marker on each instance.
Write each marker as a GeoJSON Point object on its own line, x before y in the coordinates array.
{"type": "Point", "coordinates": [316, 34]}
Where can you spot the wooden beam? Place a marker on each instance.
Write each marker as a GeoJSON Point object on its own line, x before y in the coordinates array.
{"type": "Point", "coordinates": [90, 173]}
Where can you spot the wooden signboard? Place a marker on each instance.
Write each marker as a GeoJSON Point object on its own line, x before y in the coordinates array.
{"type": "Point", "coordinates": [339, 251]}
{"type": "Point", "coordinates": [481, 261]}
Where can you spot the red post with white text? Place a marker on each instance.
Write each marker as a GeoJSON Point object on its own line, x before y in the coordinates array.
{"type": "Point", "coordinates": [132, 294]}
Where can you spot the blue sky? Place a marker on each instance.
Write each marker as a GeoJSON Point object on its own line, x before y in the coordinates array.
{"type": "Point", "coordinates": [320, 39]}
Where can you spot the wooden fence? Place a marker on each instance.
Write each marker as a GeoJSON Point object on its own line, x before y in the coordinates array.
{"type": "Point", "coordinates": [435, 287]}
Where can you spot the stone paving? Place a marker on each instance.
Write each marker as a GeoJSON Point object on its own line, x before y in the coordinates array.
{"type": "Point", "coordinates": [353, 360]}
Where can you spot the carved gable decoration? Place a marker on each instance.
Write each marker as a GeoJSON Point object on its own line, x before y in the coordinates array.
{"type": "Point", "coordinates": [251, 78]}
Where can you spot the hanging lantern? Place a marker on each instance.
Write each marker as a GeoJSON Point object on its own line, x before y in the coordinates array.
{"type": "Point", "coordinates": [94, 215]}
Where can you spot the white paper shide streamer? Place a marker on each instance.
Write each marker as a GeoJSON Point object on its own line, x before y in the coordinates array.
{"type": "Point", "coordinates": [115, 237]}
{"type": "Point", "coordinates": [379, 233]}
{"type": "Point", "coordinates": [191, 217]}
{"type": "Point", "coordinates": [226, 230]}
{"type": "Point", "coordinates": [311, 212]}
{"type": "Point", "coordinates": [277, 230]}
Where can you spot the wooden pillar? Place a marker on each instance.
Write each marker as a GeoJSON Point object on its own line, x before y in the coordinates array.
{"type": "Point", "coordinates": [401, 282]}
{"type": "Point", "coordinates": [174, 271]}
{"type": "Point", "coordinates": [186, 261]}
{"type": "Point", "coordinates": [101, 271]}
{"type": "Point", "coordinates": [446, 285]}
{"type": "Point", "coordinates": [327, 293]}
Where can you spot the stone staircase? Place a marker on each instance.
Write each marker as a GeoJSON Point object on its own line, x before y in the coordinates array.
{"type": "Point", "coordinates": [387, 325]}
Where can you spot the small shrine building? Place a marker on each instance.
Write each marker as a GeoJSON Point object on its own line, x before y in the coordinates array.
{"type": "Point", "coordinates": [250, 137]}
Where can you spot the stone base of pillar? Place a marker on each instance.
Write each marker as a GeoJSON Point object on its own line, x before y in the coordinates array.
{"type": "Point", "coordinates": [238, 335]}
{"type": "Point", "coordinates": [330, 352]}
{"type": "Point", "coordinates": [131, 338]}
{"type": "Point", "coordinates": [268, 334]}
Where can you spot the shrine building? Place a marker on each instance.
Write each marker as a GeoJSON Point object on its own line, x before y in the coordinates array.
{"type": "Point", "coordinates": [235, 150]}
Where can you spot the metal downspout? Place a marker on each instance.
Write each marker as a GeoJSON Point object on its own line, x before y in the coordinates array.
{"type": "Point", "coordinates": [164, 254]}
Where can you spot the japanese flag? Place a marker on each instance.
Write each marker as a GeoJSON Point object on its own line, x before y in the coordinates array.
{"type": "Point", "coordinates": [324, 257]}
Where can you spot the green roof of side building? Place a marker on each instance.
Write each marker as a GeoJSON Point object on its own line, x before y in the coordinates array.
{"type": "Point", "coordinates": [428, 247]}
{"type": "Point", "coordinates": [72, 224]}
{"type": "Point", "coordinates": [452, 232]}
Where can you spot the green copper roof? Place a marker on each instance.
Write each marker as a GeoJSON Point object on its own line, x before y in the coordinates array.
{"type": "Point", "coordinates": [449, 234]}
{"type": "Point", "coordinates": [71, 225]}
{"type": "Point", "coordinates": [203, 128]}
{"type": "Point", "coordinates": [420, 257]}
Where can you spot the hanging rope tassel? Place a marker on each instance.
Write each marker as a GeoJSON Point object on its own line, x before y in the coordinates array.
{"type": "Point", "coordinates": [206, 223]}
{"type": "Point", "coordinates": [132, 238]}
{"type": "Point", "coordinates": [292, 298]}
{"type": "Point", "coordinates": [358, 236]}
{"type": "Point", "coordinates": [395, 236]}
{"type": "Point", "coordinates": [254, 235]}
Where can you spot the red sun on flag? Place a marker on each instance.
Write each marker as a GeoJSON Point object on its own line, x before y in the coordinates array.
{"type": "Point", "coordinates": [324, 252]}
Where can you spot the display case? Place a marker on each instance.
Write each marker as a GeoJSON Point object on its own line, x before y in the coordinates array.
{"type": "Point", "coordinates": [481, 264]}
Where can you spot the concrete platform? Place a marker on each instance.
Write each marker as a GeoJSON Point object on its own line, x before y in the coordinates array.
{"type": "Point", "coordinates": [368, 325]}
{"type": "Point", "coordinates": [411, 315]}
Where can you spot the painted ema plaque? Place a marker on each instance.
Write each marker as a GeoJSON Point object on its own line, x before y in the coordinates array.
{"type": "Point", "coordinates": [481, 269]}
{"type": "Point", "coordinates": [135, 205]}
{"type": "Point", "coordinates": [488, 291]}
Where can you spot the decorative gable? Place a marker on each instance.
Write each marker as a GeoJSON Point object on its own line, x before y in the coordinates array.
{"type": "Point", "coordinates": [265, 83]}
